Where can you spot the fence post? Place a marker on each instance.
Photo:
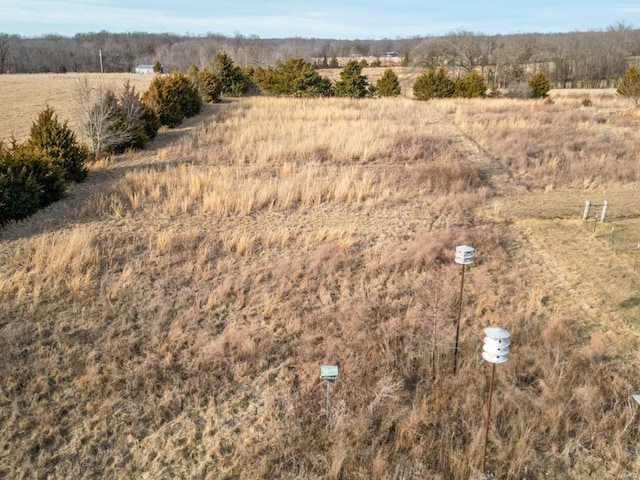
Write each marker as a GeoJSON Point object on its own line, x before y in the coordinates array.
{"type": "Point", "coordinates": [587, 207]}
{"type": "Point", "coordinates": [603, 216]}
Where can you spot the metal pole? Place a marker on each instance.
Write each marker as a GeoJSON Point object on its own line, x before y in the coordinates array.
{"type": "Point", "coordinates": [603, 215]}
{"type": "Point", "coordinates": [455, 353]}
{"type": "Point", "coordinates": [328, 401]}
{"type": "Point", "coordinates": [587, 207]}
{"type": "Point", "coordinates": [486, 429]}
{"type": "Point", "coordinates": [433, 339]}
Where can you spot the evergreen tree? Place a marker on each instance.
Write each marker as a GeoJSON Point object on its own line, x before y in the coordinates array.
{"type": "Point", "coordinates": [352, 83]}
{"type": "Point", "coordinates": [174, 97]}
{"type": "Point", "coordinates": [258, 76]}
{"type": "Point", "coordinates": [157, 67]}
{"type": "Point", "coordinates": [433, 85]}
{"type": "Point", "coordinates": [206, 83]}
{"type": "Point", "coordinates": [135, 122]}
{"type": "Point", "coordinates": [388, 84]}
{"type": "Point", "coordinates": [48, 174]}
{"type": "Point", "coordinates": [121, 122]}
{"type": "Point", "coordinates": [56, 142]}
{"type": "Point", "coordinates": [539, 84]}
{"type": "Point", "coordinates": [333, 63]}
{"type": "Point", "coordinates": [209, 86]}
{"type": "Point", "coordinates": [233, 82]}
{"type": "Point", "coordinates": [629, 85]}
{"type": "Point", "coordinates": [298, 78]}
{"type": "Point", "coordinates": [471, 85]}
{"type": "Point", "coordinates": [20, 192]}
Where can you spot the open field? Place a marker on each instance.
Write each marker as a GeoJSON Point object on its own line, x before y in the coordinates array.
{"type": "Point", "coordinates": [168, 319]}
{"type": "Point", "coordinates": [23, 97]}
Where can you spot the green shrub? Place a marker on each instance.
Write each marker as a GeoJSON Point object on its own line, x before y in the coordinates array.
{"type": "Point", "coordinates": [233, 82]}
{"type": "Point", "coordinates": [295, 77]}
{"type": "Point", "coordinates": [28, 180]}
{"type": "Point", "coordinates": [174, 97]}
{"type": "Point", "coordinates": [539, 84]}
{"type": "Point", "coordinates": [388, 84]}
{"type": "Point", "coordinates": [629, 85]}
{"type": "Point", "coordinates": [352, 83]}
{"type": "Point", "coordinates": [433, 85]}
{"type": "Point", "coordinates": [150, 120]}
{"type": "Point", "coordinates": [19, 190]}
{"type": "Point", "coordinates": [208, 86]}
{"type": "Point", "coordinates": [36, 173]}
{"type": "Point", "coordinates": [57, 143]}
{"type": "Point", "coordinates": [48, 175]}
{"type": "Point", "coordinates": [258, 76]}
{"type": "Point", "coordinates": [471, 85]}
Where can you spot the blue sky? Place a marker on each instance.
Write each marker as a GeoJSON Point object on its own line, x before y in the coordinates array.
{"type": "Point", "coordinates": [343, 19]}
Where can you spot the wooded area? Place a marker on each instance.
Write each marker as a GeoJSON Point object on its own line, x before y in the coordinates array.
{"type": "Point", "coordinates": [578, 59]}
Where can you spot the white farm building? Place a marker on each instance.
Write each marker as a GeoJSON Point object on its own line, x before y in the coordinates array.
{"type": "Point", "coordinates": [148, 69]}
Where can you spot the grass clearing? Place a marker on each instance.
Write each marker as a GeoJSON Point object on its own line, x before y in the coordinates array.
{"type": "Point", "coordinates": [168, 319]}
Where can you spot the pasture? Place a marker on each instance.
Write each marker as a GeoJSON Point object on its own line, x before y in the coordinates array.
{"type": "Point", "coordinates": [168, 319]}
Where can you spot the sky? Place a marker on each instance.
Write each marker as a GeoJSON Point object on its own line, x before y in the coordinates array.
{"type": "Point", "coordinates": [336, 19]}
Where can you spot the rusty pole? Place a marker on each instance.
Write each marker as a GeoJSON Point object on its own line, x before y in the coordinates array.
{"type": "Point", "coordinates": [455, 353]}
{"type": "Point", "coordinates": [486, 428]}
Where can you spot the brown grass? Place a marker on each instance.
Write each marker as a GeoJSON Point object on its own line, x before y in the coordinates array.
{"type": "Point", "coordinates": [24, 96]}
{"type": "Point", "coordinates": [169, 318]}
{"type": "Point", "coordinates": [558, 143]}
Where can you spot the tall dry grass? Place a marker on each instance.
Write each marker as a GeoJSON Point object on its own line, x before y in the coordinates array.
{"type": "Point", "coordinates": [174, 326]}
{"type": "Point", "coordinates": [558, 142]}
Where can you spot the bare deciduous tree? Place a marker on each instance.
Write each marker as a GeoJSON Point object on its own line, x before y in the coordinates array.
{"type": "Point", "coordinates": [4, 52]}
{"type": "Point", "coordinates": [98, 112]}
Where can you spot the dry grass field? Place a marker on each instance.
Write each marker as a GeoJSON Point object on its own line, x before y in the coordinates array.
{"type": "Point", "coordinates": [23, 97]}
{"type": "Point", "coordinates": [168, 319]}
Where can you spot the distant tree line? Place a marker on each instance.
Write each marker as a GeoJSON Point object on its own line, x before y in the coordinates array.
{"type": "Point", "coordinates": [577, 59]}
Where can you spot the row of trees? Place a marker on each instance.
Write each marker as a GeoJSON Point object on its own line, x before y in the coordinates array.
{"type": "Point", "coordinates": [37, 172]}
{"type": "Point", "coordinates": [576, 59]}
{"type": "Point", "coordinates": [295, 77]}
